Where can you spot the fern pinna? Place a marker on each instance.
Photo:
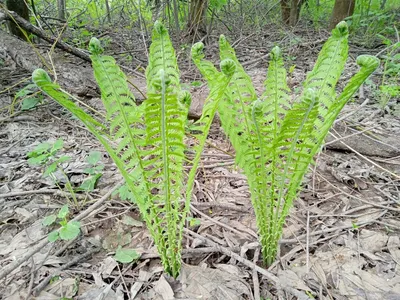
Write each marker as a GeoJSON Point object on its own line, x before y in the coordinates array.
{"type": "Point", "coordinates": [275, 140]}
{"type": "Point", "coordinates": [147, 142]}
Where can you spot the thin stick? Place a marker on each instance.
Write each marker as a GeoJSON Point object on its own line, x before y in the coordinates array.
{"type": "Point", "coordinates": [25, 193]}
{"type": "Point", "coordinates": [279, 285]}
{"type": "Point", "coordinates": [367, 159]}
{"type": "Point", "coordinates": [57, 272]}
{"type": "Point", "coordinates": [256, 283]}
{"type": "Point", "coordinates": [308, 242]}
{"type": "Point", "coordinates": [30, 286]}
{"type": "Point", "coordinates": [220, 223]}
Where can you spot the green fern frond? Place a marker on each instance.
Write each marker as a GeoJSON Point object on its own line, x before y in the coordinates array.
{"type": "Point", "coordinates": [295, 142]}
{"type": "Point", "coordinates": [203, 125]}
{"type": "Point", "coordinates": [166, 110]}
{"type": "Point", "coordinates": [277, 142]}
{"type": "Point", "coordinates": [275, 104]}
{"type": "Point", "coordinates": [276, 96]}
{"type": "Point", "coordinates": [368, 65]}
{"type": "Point", "coordinates": [285, 159]}
{"type": "Point", "coordinates": [147, 142]}
{"type": "Point", "coordinates": [43, 81]}
{"type": "Point", "coordinates": [328, 68]}
{"type": "Point", "coordinates": [206, 68]}
{"type": "Point", "coordinates": [124, 115]}
{"type": "Point", "coordinates": [235, 111]}
{"type": "Point", "coordinates": [316, 137]}
{"type": "Point", "coordinates": [162, 57]}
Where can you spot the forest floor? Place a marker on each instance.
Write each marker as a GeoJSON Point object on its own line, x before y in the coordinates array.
{"type": "Point", "coordinates": [341, 239]}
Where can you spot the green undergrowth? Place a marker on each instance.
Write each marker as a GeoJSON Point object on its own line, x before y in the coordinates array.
{"type": "Point", "coordinates": [147, 142]}
{"type": "Point", "coordinates": [275, 138]}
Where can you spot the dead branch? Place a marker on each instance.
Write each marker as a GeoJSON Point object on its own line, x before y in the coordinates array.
{"type": "Point", "coordinates": [12, 16]}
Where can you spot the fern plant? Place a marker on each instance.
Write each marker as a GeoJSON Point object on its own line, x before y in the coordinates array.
{"type": "Point", "coordinates": [275, 140]}
{"type": "Point", "coordinates": [147, 142]}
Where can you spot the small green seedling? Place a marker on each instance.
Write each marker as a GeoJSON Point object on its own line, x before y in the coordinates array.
{"type": "Point", "coordinates": [354, 225]}
{"type": "Point", "coordinates": [196, 83]}
{"type": "Point", "coordinates": [94, 171]}
{"type": "Point", "coordinates": [389, 87]}
{"type": "Point", "coordinates": [193, 221]}
{"type": "Point", "coordinates": [45, 154]}
{"type": "Point", "coordinates": [30, 97]}
{"type": "Point", "coordinates": [68, 230]}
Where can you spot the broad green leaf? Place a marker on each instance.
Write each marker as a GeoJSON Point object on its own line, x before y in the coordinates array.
{"type": "Point", "coordinates": [193, 221]}
{"type": "Point", "coordinates": [57, 145]}
{"type": "Point", "coordinates": [50, 219]}
{"type": "Point", "coordinates": [30, 88]}
{"type": "Point", "coordinates": [50, 169]}
{"type": "Point", "coordinates": [99, 168]}
{"type": "Point", "coordinates": [38, 160]}
{"type": "Point", "coordinates": [63, 212]}
{"type": "Point", "coordinates": [39, 149]}
{"type": "Point", "coordinates": [63, 159]}
{"type": "Point", "coordinates": [70, 231]}
{"type": "Point", "coordinates": [126, 255]}
{"type": "Point", "coordinates": [29, 103]}
{"type": "Point", "coordinates": [93, 157]}
{"type": "Point", "coordinates": [53, 236]}
{"type": "Point", "coordinates": [90, 183]}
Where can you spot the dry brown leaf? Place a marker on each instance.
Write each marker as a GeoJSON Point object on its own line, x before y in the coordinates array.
{"type": "Point", "coordinates": [163, 288]}
{"type": "Point", "coordinates": [291, 279]}
{"type": "Point", "coordinates": [206, 283]}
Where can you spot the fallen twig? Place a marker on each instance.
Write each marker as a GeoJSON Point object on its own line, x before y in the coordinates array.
{"type": "Point", "coordinates": [57, 272]}
{"type": "Point", "coordinates": [256, 283]}
{"type": "Point", "coordinates": [6, 14]}
{"type": "Point", "coordinates": [279, 285]}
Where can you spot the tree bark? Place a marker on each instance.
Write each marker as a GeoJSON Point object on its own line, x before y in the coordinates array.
{"type": "Point", "coordinates": [62, 7]}
{"type": "Point", "coordinates": [295, 11]}
{"type": "Point", "coordinates": [21, 9]}
{"type": "Point", "coordinates": [285, 10]}
{"type": "Point", "coordinates": [196, 22]}
{"type": "Point", "coordinates": [176, 15]}
{"type": "Point", "coordinates": [108, 12]}
{"type": "Point", "coordinates": [290, 10]}
{"type": "Point", "coordinates": [341, 10]}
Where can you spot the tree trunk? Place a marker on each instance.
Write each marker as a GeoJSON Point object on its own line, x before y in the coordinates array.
{"type": "Point", "coordinates": [62, 7]}
{"type": "Point", "coordinates": [196, 22]}
{"type": "Point", "coordinates": [291, 11]}
{"type": "Point", "coordinates": [176, 15]}
{"type": "Point", "coordinates": [341, 10]}
{"type": "Point", "coordinates": [285, 9]}
{"type": "Point", "coordinates": [295, 11]}
{"type": "Point", "coordinates": [20, 8]}
{"type": "Point", "coordinates": [108, 12]}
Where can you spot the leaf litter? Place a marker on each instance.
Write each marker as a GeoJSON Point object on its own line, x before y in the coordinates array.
{"type": "Point", "coordinates": [341, 240]}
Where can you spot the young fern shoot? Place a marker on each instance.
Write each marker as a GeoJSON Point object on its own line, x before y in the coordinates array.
{"type": "Point", "coordinates": [275, 140]}
{"type": "Point", "coordinates": [147, 142]}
